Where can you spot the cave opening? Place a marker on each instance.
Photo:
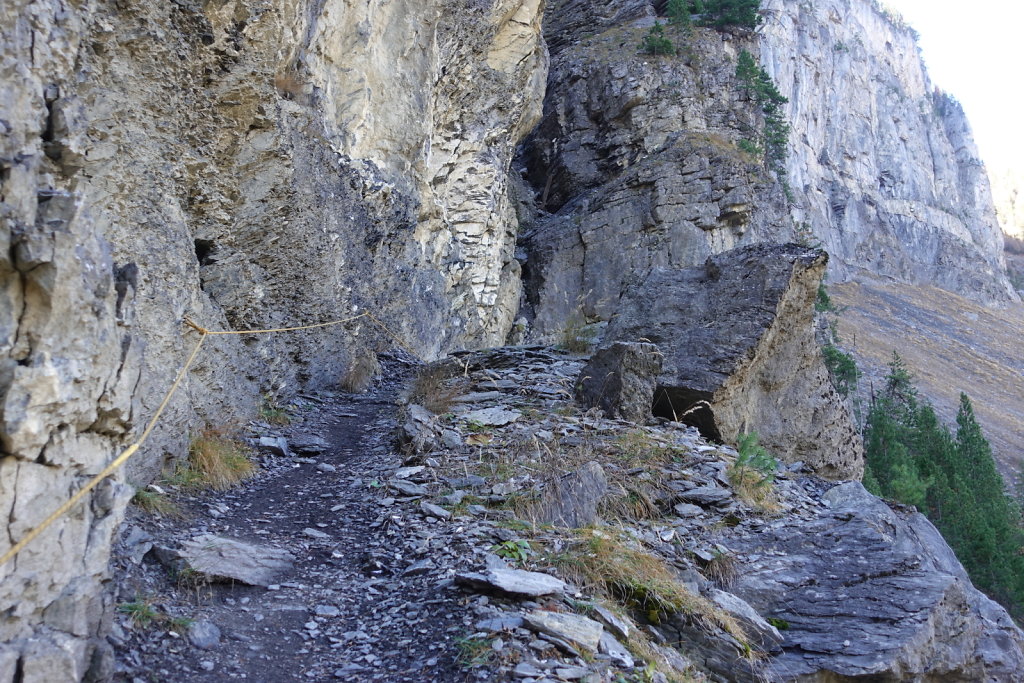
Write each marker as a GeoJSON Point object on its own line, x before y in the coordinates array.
{"type": "Point", "coordinates": [689, 406]}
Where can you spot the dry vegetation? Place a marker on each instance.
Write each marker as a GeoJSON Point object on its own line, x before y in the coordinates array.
{"type": "Point", "coordinates": [214, 461]}
{"type": "Point", "coordinates": [436, 387]}
{"type": "Point", "coordinates": [611, 564]}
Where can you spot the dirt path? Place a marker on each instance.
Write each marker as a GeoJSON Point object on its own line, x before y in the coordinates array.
{"type": "Point", "coordinates": [370, 597]}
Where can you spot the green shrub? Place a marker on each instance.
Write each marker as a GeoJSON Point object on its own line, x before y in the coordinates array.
{"type": "Point", "coordinates": [841, 368]}
{"type": "Point", "coordinates": [753, 472]}
{"type": "Point", "coordinates": [656, 42]}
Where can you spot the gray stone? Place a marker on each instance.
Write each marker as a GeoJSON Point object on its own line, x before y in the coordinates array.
{"type": "Point", "coordinates": [740, 353]}
{"type": "Point", "coordinates": [620, 379]}
{"type": "Point", "coordinates": [621, 627]}
{"type": "Point", "coordinates": [706, 495]}
{"type": "Point", "coordinates": [571, 500]}
{"type": "Point", "coordinates": [204, 634]}
{"type": "Point", "coordinates": [309, 444]}
{"type": "Point", "coordinates": [754, 625]}
{"type": "Point", "coordinates": [277, 445]}
{"type": "Point", "coordinates": [407, 487]}
{"type": "Point", "coordinates": [498, 416]}
{"type": "Point", "coordinates": [225, 559]}
{"type": "Point", "coordinates": [514, 581]}
{"type": "Point", "coordinates": [326, 611]}
{"type": "Point", "coordinates": [569, 627]}
{"type": "Point", "coordinates": [432, 510]}
{"type": "Point", "coordinates": [507, 622]}
{"type": "Point", "coordinates": [325, 467]}
{"type": "Point", "coordinates": [687, 509]}
{"type": "Point", "coordinates": [316, 533]}
{"type": "Point", "coordinates": [616, 651]}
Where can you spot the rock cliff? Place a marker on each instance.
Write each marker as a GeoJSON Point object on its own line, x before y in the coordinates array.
{"type": "Point", "coordinates": [246, 165]}
{"type": "Point", "coordinates": [883, 167]}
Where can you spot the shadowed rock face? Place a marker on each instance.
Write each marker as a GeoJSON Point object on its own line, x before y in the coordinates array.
{"type": "Point", "coordinates": [738, 334]}
{"type": "Point", "coordinates": [867, 590]}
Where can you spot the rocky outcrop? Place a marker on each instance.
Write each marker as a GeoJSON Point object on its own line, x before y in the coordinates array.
{"type": "Point", "coordinates": [883, 166]}
{"type": "Point", "coordinates": [244, 165]}
{"type": "Point", "coordinates": [738, 334]}
{"type": "Point", "coordinates": [866, 590]}
{"type": "Point", "coordinates": [621, 379]}
{"type": "Point", "coordinates": [635, 164]}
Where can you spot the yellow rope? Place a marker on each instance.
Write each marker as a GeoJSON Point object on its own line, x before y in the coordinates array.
{"type": "Point", "coordinates": [109, 469]}
{"type": "Point", "coordinates": [133, 448]}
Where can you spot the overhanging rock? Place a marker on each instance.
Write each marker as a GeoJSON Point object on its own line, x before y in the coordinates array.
{"type": "Point", "coordinates": [737, 334]}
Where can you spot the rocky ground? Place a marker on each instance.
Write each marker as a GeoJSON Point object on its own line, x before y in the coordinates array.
{"type": "Point", "coordinates": [474, 524]}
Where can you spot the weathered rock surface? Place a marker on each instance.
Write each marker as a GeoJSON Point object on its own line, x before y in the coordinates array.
{"type": "Point", "coordinates": [570, 627]}
{"type": "Point", "coordinates": [245, 165]}
{"type": "Point", "coordinates": [738, 334]}
{"type": "Point", "coordinates": [884, 168]}
{"type": "Point", "coordinates": [571, 500]}
{"type": "Point", "coordinates": [515, 581]}
{"type": "Point", "coordinates": [227, 559]}
{"type": "Point", "coordinates": [867, 590]}
{"type": "Point", "coordinates": [634, 165]}
{"type": "Point", "coordinates": [620, 379]}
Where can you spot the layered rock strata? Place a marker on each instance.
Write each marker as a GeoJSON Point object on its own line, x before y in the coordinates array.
{"type": "Point", "coordinates": [636, 164]}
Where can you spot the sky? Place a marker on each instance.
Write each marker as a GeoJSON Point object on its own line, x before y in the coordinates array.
{"type": "Point", "coordinates": [973, 51]}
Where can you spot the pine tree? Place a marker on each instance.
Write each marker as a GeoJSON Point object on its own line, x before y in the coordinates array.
{"type": "Point", "coordinates": [724, 13]}
{"type": "Point", "coordinates": [678, 12]}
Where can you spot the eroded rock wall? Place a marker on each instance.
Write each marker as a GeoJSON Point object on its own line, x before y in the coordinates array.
{"type": "Point", "coordinates": [635, 164]}
{"type": "Point", "coordinates": [249, 164]}
{"type": "Point", "coordinates": [883, 166]}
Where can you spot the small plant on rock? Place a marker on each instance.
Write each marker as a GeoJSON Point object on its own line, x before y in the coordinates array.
{"type": "Point", "coordinates": [656, 42]}
{"type": "Point", "coordinates": [156, 503]}
{"type": "Point", "coordinates": [518, 550]}
{"type": "Point", "coordinates": [139, 611]}
{"type": "Point", "coordinates": [753, 473]}
{"type": "Point", "coordinates": [474, 652]}
{"type": "Point", "coordinates": [271, 413]}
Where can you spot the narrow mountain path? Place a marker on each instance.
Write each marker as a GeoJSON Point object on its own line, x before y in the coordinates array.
{"type": "Point", "coordinates": [367, 599]}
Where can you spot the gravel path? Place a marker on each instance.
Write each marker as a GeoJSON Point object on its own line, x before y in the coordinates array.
{"type": "Point", "coordinates": [370, 597]}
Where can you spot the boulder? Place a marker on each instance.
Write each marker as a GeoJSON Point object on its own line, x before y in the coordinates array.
{"type": "Point", "coordinates": [866, 591]}
{"type": "Point", "coordinates": [740, 354]}
{"type": "Point", "coordinates": [620, 379]}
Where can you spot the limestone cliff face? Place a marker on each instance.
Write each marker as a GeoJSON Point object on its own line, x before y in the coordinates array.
{"type": "Point", "coordinates": [243, 164]}
{"type": "Point", "coordinates": [883, 167]}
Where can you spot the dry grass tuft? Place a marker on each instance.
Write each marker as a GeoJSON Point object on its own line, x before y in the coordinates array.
{"type": "Point", "coordinates": [637, 579]}
{"type": "Point", "coordinates": [214, 461]}
{"type": "Point", "coordinates": [435, 389]}
{"type": "Point", "coordinates": [722, 570]}
{"type": "Point", "coordinates": [365, 366]}
{"type": "Point", "coordinates": [156, 503]}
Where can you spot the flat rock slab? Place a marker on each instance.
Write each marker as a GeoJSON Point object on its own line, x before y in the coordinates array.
{"type": "Point", "coordinates": [225, 559]}
{"type": "Point", "coordinates": [499, 416]}
{"type": "Point", "coordinates": [706, 495]}
{"type": "Point", "coordinates": [571, 627]}
{"type": "Point", "coordinates": [514, 581]}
